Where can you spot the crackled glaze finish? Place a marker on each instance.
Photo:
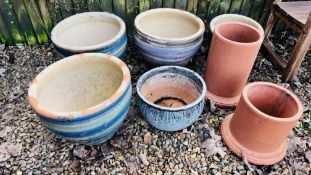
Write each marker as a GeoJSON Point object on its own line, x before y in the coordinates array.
{"type": "Point", "coordinates": [90, 32]}
{"type": "Point", "coordinates": [168, 36]}
{"type": "Point", "coordinates": [83, 98]}
{"type": "Point", "coordinates": [183, 92]}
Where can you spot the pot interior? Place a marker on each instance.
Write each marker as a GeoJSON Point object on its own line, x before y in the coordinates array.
{"type": "Point", "coordinates": [272, 101]}
{"type": "Point", "coordinates": [238, 33]}
{"type": "Point", "coordinates": [78, 84]}
{"type": "Point", "coordinates": [170, 90]}
{"type": "Point", "coordinates": [168, 24]}
{"type": "Point", "coordinates": [87, 30]}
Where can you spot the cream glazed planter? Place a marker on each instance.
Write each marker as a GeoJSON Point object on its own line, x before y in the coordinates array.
{"type": "Point", "coordinates": [90, 32]}
{"type": "Point", "coordinates": [83, 98]}
{"type": "Point", "coordinates": [168, 36]}
{"type": "Point", "coordinates": [234, 18]}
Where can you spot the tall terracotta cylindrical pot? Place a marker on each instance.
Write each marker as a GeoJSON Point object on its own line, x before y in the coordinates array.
{"type": "Point", "coordinates": [231, 57]}
{"type": "Point", "coordinates": [264, 117]}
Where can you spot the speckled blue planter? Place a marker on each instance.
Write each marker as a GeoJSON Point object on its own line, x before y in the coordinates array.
{"type": "Point", "coordinates": [100, 32]}
{"type": "Point", "coordinates": [168, 36]}
{"type": "Point", "coordinates": [85, 106]}
{"type": "Point", "coordinates": [181, 108]}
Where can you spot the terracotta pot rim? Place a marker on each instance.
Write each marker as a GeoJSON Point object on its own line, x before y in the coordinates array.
{"type": "Point", "coordinates": [143, 78]}
{"type": "Point", "coordinates": [250, 44]}
{"type": "Point", "coordinates": [223, 101]}
{"type": "Point", "coordinates": [118, 36]}
{"type": "Point", "coordinates": [32, 91]}
{"type": "Point", "coordinates": [163, 40]}
{"type": "Point", "coordinates": [294, 117]}
{"type": "Point", "coordinates": [212, 26]}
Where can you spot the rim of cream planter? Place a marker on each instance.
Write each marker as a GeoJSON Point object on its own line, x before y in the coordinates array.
{"type": "Point", "coordinates": [85, 17]}
{"type": "Point", "coordinates": [145, 77]}
{"type": "Point", "coordinates": [184, 15]}
{"type": "Point", "coordinates": [51, 70]}
{"type": "Point", "coordinates": [234, 18]}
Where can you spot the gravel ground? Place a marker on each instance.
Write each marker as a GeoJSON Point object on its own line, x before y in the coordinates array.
{"type": "Point", "coordinates": [138, 148]}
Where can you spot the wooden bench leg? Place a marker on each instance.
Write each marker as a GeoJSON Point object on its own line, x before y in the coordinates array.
{"type": "Point", "coordinates": [299, 52]}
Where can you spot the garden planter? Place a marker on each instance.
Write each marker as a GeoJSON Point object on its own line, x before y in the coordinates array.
{"type": "Point", "coordinates": [83, 98]}
{"type": "Point", "coordinates": [264, 116]}
{"type": "Point", "coordinates": [167, 36]}
{"type": "Point", "coordinates": [90, 32]}
{"type": "Point", "coordinates": [171, 97]}
{"type": "Point", "coordinates": [234, 18]}
{"type": "Point", "coordinates": [231, 57]}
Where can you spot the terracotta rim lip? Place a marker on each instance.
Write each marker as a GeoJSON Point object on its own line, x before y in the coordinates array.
{"type": "Point", "coordinates": [32, 91]}
{"type": "Point", "coordinates": [294, 117]}
{"type": "Point", "coordinates": [118, 36]}
{"type": "Point", "coordinates": [260, 39]}
{"type": "Point", "coordinates": [194, 103]}
{"type": "Point", "coordinates": [212, 23]}
{"type": "Point", "coordinates": [194, 36]}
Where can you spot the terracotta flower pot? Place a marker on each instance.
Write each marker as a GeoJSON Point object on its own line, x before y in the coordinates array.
{"type": "Point", "coordinates": [90, 32]}
{"type": "Point", "coordinates": [264, 116]}
{"type": "Point", "coordinates": [83, 98]}
{"type": "Point", "coordinates": [230, 60]}
{"type": "Point", "coordinates": [171, 97]}
{"type": "Point", "coordinates": [234, 18]}
{"type": "Point", "coordinates": [167, 36]}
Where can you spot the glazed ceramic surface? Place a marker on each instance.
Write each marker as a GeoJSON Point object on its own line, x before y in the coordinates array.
{"type": "Point", "coordinates": [234, 18]}
{"type": "Point", "coordinates": [264, 117]}
{"type": "Point", "coordinates": [230, 60]}
{"type": "Point", "coordinates": [90, 32]}
{"type": "Point", "coordinates": [171, 97]}
{"type": "Point", "coordinates": [168, 36]}
{"type": "Point", "coordinates": [83, 98]}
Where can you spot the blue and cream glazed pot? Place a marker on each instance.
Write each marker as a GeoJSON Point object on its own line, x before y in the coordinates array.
{"type": "Point", "coordinates": [90, 32]}
{"type": "Point", "coordinates": [83, 98]}
{"type": "Point", "coordinates": [171, 97]}
{"type": "Point", "coordinates": [167, 36]}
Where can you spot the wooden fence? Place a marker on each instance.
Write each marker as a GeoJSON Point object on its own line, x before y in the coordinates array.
{"type": "Point", "coordinates": [30, 21]}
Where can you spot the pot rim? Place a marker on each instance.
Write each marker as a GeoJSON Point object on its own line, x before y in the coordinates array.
{"type": "Point", "coordinates": [194, 103]}
{"type": "Point", "coordinates": [294, 117]}
{"type": "Point", "coordinates": [212, 23]}
{"type": "Point", "coordinates": [32, 91]}
{"type": "Point", "coordinates": [58, 26]}
{"type": "Point", "coordinates": [250, 44]}
{"type": "Point", "coordinates": [164, 40]}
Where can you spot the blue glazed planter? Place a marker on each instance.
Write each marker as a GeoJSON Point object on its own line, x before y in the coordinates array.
{"type": "Point", "coordinates": [83, 98]}
{"type": "Point", "coordinates": [171, 97]}
{"type": "Point", "coordinates": [167, 36]}
{"type": "Point", "coordinates": [100, 32]}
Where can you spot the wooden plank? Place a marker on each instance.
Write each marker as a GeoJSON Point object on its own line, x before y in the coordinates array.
{"type": "Point", "coordinates": [168, 3]}
{"type": "Point", "coordinates": [36, 20]}
{"type": "Point", "coordinates": [144, 5]}
{"type": "Point", "coordinates": [11, 21]}
{"type": "Point", "coordinates": [45, 15]}
{"type": "Point", "coordinates": [212, 9]}
{"type": "Point", "coordinates": [235, 6]}
{"type": "Point", "coordinates": [4, 32]}
{"type": "Point", "coordinates": [257, 9]}
{"type": "Point", "coordinates": [106, 5]}
{"type": "Point", "coordinates": [93, 5]}
{"type": "Point", "coordinates": [156, 4]}
{"type": "Point", "coordinates": [132, 11]}
{"type": "Point", "coordinates": [224, 6]}
{"type": "Point", "coordinates": [202, 9]}
{"type": "Point", "coordinates": [24, 21]}
{"type": "Point", "coordinates": [67, 8]}
{"type": "Point", "coordinates": [181, 4]}
{"type": "Point", "coordinates": [119, 8]}
{"type": "Point", "coordinates": [80, 6]}
{"type": "Point", "coordinates": [192, 6]}
{"type": "Point", "coordinates": [55, 12]}
{"type": "Point", "coordinates": [247, 7]}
